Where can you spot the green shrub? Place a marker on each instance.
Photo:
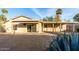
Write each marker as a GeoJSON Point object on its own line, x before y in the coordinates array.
{"type": "Point", "coordinates": [2, 28]}
{"type": "Point", "coordinates": [65, 42]}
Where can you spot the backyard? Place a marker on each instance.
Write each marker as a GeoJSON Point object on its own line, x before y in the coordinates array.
{"type": "Point", "coordinates": [25, 42]}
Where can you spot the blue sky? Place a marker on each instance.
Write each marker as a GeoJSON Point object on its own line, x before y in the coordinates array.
{"type": "Point", "coordinates": [38, 13]}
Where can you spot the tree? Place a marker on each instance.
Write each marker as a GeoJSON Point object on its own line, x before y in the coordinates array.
{"type": "Point", "coordinates": [4, 11]}
{"type": "Point", "coordinates": [48, 18]}
{"type": "Point", "coordinates": [44, 19]}
{"type": "Point", "coordinates": [76, 17]}
{"type": "Point", "coordinates": [2, 18]}
{"type": "Point", "coordinates": [58, 13]}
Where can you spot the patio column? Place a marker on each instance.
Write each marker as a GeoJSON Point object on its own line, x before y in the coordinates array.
{"type": "Point", "coordinates": [53, 27]}
{"type": "Point", "coordinates": [39, 27]}
{"type": "Point", "coordinates": [60, 27]}
{"type": "Point", "coordinates": [73, 27]}
{"type": "Point", "coordinates": [26, 27]}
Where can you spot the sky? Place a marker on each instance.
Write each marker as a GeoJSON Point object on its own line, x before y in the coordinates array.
{"type": "Point", "coordinates": [39, 13]}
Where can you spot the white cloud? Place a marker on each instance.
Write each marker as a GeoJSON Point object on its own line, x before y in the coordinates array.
{"type": "Point", "coordinates": [37, 12]}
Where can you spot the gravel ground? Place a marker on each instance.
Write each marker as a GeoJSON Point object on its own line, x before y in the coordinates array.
{"type": "Point", "coordinates": [25, 42]}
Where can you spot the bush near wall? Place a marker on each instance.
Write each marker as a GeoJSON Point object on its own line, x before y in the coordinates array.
{"type": "Point", "coordinates": [2, 28]}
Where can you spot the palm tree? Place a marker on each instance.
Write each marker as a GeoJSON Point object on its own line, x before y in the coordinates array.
{"type": "Point", "coordinates": [4, 11]}
{"type": "Point", "coordinates": [58, 13]}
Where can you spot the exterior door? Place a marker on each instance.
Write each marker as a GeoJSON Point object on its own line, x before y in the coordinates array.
{"type": "Point", "coordinates": [31, 28]}
{"type": "Point", "coordinates": [28, 28]}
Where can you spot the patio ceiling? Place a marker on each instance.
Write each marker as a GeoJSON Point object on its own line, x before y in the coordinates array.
{"type": "Point", "coordinates": [60, 22]}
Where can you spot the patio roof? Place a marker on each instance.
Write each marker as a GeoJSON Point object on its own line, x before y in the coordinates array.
{"type": "Point", "coordinates": [61, 22]}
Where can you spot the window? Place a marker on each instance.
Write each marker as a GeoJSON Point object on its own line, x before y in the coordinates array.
{"type": "Point", "coordinates": [24, 25]}
{"type": "Point", "coordinates": [14, 27]}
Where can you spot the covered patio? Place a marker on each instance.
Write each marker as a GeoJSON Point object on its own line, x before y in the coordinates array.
{"type": "Point", "coordinates": [60, 26]}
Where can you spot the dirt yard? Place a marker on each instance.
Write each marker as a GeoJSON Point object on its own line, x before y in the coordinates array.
{"type": "Point", "coordinates": [25, 42]}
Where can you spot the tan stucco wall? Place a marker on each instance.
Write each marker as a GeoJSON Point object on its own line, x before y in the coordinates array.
{"type": "Point", "coordinates": [21, 30]}
{"type": "Point", "coordinates": [39, 27]}
{"type": "Point", "coordinates": [48, 29]}
{"type": "Point", "coordinates": [8, 27]}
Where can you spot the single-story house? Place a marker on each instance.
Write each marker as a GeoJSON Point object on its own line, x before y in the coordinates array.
{"type": "Point", "coordinates": [22, 24]}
